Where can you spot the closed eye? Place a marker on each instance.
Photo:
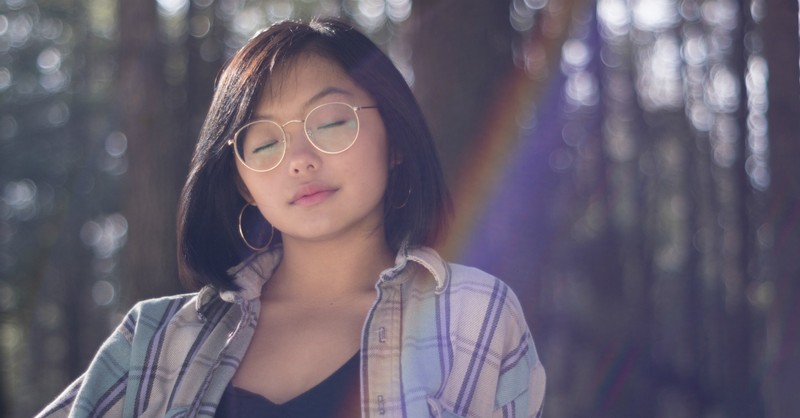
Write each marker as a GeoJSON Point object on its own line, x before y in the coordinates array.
{"type": "Point", "coordinates": [332, 124]}
{"type": "Point", "coordinates": [264, 147]}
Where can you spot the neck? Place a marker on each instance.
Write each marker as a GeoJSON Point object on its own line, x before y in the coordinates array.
{"type": "Point", "coordinates": [329, 270]}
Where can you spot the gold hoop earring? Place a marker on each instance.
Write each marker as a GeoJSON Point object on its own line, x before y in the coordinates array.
{"type": "Point", "coordinates": [241, 231]}
{"type": "Point", "coordinates": [405, 202]}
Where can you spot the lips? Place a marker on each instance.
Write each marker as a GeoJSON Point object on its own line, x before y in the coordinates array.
{"type": "Point", "coordinates": [310, 194]}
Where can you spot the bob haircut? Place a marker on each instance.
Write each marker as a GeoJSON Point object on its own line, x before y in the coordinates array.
{"type": "Point", "coordinates": [416, 201]}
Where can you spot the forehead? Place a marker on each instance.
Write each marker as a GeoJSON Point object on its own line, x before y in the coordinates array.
{"type": "Point", "coordinates": [304, 77]}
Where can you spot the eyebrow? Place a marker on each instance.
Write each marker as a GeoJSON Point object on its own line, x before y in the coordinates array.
{"type": "Point", "coordinates": [327, 91]}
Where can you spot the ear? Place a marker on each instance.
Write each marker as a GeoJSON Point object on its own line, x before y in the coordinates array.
{"type": "Point", "coordinates": [242, 189]}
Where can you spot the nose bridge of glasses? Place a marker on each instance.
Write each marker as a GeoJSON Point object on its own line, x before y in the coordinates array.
{"type": "Point", "coordinates": [292, 121]}
{"type": "Point", "coordinates": [288, 122]}
{"type": "Point", "coordinates": [297, 145]}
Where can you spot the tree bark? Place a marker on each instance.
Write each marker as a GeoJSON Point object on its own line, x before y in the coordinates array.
{"type": "Point", "coordinates": [151, 193]}
{"type": "Point", "coordinates": [781, 45]}
{"type": "Point", "coordinates": [462, 51]}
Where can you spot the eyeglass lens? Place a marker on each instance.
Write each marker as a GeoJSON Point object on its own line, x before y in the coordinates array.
{"type": "Point", "coordinates": [331, 128]}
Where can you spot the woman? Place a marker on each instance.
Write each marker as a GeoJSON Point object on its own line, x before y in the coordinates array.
{"type": "Point", "coordinates": [313, 194]}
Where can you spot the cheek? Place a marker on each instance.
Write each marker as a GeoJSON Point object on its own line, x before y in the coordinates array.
{"type": "Point", "coordinates": [244, 181]}
{"type": "Point", "coordinates": [378, 149]}
{"type": "Point", "coordinates": [375, 162]}
{"type": "Point", "coordinates": [268, 206]}
{"type": "Point", "coordinates": [378, 175]}
{"type": "Point", "coordinates": [243, 189]}
{"type": "Point", "coordinates": [367, 168]}
{"type": "Point", "coordinates": [256, 188]}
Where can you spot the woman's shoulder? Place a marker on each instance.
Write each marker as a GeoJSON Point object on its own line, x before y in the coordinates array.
{"type": "Point", "coordinates": [485, 324]}
{"type": "Point", "coordinates": [171, 319]}
{"type": "Point", "coordinates": [463, 275]}
{"type": "Point", "coordinates": [468, 287]}
{"type": "Point", "coordinates": [451, 275]}
{"type": "Point", "coordinates": [162, 304]}
{"type": "Point", "coordinates": [471, 286]}
{"type": "Point", "coordinates": [156, 313]}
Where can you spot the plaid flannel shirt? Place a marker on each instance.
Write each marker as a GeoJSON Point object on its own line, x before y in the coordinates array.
{"type": "Point", "coordinates": [440, 340]}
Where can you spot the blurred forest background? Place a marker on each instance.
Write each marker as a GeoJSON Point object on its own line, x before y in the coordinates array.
{"type": "Point", "coordinates": [629, 167]}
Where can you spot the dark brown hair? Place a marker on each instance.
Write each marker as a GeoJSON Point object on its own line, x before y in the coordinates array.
{"type": "Point", "coordinates": [416, 201]}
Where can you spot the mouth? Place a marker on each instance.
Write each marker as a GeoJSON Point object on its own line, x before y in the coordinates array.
{"type": "Point", "coordinates": [312, 194]}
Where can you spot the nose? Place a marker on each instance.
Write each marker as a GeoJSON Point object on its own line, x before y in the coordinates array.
{"type": "Point", "coordinates": [301, 156]}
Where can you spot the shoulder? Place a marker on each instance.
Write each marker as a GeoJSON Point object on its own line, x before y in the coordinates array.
{"type": "Point", "coordinates": [158, 307]}
{"type": "Point", "coordinates": [489, 313]}
{"type": "Point", "coordinates": [150, 315]}
{"type": "Point", "coordinates": [461, 275]}
{"type": "Point", "coordinates": [472, 289]}
{"type": "Point", "coordinates": [473, 301]}
{"type": "Point", "coordinates": [465, 288]}
{"type": "Point", "coordinates": [486, 330]}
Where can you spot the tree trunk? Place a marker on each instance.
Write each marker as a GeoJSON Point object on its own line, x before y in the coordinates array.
{"type": "Point", "coordinates": [462, 50]}
{"type": "Point", "coordinates": [740, 398]}
{"type": "Point", "coordinates": [151, 193]}
{"type": "Point", "coordinates": [782, 378]}
{"type": "Point", "coordinates": [204, 58]}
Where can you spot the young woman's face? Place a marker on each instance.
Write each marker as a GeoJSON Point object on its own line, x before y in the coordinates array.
{"type": "Point", "coordinates": [312, 195]}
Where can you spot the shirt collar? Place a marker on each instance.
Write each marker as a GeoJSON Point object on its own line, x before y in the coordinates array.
{"type": "Point", "coordinates": [251, 274]}
{"type": "Point", "coordinates": [425, 257]}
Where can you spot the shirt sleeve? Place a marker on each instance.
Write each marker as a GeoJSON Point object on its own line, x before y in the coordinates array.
{"type": "Point", "coordinates": [100, 391]}
{"type": "Point", "coordinates": [530, 402]}
{"type": "Point", "coordinates": [521, 384]}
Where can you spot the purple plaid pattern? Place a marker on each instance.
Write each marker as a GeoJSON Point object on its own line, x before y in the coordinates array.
{"type": "Point", "coordinates": [441, 340]}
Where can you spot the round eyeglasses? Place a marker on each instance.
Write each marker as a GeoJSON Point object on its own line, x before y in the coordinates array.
{"type": "Point", "coordinates": [332, 128]}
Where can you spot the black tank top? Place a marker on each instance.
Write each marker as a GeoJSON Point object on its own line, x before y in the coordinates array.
{"type": "Point", "coordinates": [338, 396]}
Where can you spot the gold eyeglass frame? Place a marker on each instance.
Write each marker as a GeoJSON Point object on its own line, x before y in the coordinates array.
{"type": "Point", "coordinates": [232, 142]}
